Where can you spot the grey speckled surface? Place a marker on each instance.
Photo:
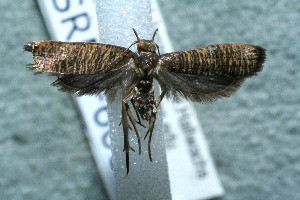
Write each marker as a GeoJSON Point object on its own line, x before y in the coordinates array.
{"type": "Point", "coordinates": [254, 135]}
{"type": "Point", "coordinates": [43, 150]}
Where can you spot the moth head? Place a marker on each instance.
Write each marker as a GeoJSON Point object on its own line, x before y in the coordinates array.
{"type": "Point", "coordinates": [146, 45]}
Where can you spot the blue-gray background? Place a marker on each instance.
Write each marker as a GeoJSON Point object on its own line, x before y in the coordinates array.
{"type": "Point", "coordinates": [254, 135]}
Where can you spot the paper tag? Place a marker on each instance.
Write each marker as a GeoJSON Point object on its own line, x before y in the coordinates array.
{"type": "Point", "coordinates": [191, 169]}
{"type": "Point", "coordinates": [192, 172]}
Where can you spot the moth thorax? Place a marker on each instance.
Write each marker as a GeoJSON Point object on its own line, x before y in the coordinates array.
{"type": "Point", "coordinates": [146, 61]}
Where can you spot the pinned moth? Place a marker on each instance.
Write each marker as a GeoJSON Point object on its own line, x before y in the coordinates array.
{"type": "Point", "coordinates": [200, 75]}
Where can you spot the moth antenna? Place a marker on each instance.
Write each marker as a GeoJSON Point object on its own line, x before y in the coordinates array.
{"type": "Point", "coordinates": [154, 34]}
{"type": "Point", "coordinates": [124, 53]}
{"type": "Point", "coordinates": [157, 49]}
{"type": "Point", "coordinates": [137, 37]}
{"type": "Point", "coordinates": [131, 45]}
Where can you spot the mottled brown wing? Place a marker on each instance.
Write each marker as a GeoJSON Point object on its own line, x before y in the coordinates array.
{"type": "Point", "coordinates": [57, 58]}
{"type": "Point", "coordinates": [209, 72]}
{"type": "Point", "coordinates": [83, 67]}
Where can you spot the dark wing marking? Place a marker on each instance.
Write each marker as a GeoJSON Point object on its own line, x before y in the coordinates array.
{"type": "Point", "coordinates": [109, 82]}
{"type": "Point", "coordinates": [210, 72]}
{"type": "Point", "coordinates": [77, 57]}
{"type": "Point", "coordinates": [197, 88]}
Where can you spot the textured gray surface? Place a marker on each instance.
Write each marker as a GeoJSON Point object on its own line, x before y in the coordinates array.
{"type": "Point", "coordinates": [43, 150]}
{"type": "Point", "coordinates": [253, 135]}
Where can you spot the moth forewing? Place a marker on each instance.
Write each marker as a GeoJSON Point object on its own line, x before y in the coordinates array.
{"type": "Point", "coordinates": [219, 60]}
{"type": "Point", "coordinates": [56, 57]}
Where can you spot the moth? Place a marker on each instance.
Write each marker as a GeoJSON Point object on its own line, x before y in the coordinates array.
{"type": "Point", "coordinates": [200, 75]}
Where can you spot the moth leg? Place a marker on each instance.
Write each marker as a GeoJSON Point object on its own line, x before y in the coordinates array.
{"type": "Point", "coordinates": [150, 131]}
{"type": "Point", "coordinates": [128, 125]}
{"type": "Point", "coordinates": [154, 110]}
{"type": "Point", "coordinates": [133, 122]}
{"type": "Point", "coordinates": [126, 97]}
{"type": "Point", "coordinates": [138, 116]}
{"type": "Point", "coordinates": [124, 121]}
{"type": "Point", "coordinates": [126, 112]}
{"type": "Point", "coordinates": [152, 122]}
{"type": "Point", "coordinates": [160, 98]}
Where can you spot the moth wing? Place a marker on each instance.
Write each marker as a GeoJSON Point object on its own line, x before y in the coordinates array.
{"type": "Point", "coordinates": [57, 58]}
{"type": "Point", "coordinates": [109, 82]}
{"type": "Point", "coordinates": [220, 60]}
{"type": "Point", "coordinates": [83, 67]}
{"type": "Point", "coordinates": [209, 72]}
{"type": "Point", "coordinates": [197, 88]}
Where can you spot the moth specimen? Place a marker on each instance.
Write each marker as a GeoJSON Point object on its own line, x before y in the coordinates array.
{"type": "Point", "coordinates": [200, 75]}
